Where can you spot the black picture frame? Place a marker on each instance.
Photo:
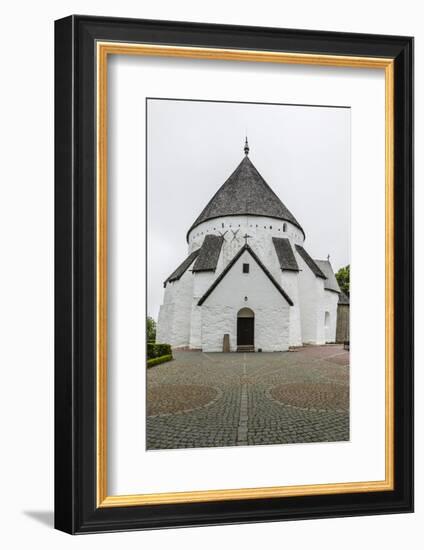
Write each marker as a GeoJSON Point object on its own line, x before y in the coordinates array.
{"type": "Point", "coordinates": [76, 510]}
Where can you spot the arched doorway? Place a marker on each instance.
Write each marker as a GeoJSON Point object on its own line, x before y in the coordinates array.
{"type": "Point", "coordinates": [245, 328]}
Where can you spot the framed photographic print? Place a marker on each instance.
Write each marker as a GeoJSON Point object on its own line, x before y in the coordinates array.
{"type": "Point", "coordinates": [234, 274]}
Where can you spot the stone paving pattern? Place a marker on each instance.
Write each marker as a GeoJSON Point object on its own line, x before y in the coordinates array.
{"type": "Point", "coordinates": [224, 399]}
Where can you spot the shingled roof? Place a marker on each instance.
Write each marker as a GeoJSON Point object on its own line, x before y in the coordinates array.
{"type": "Point", "coordinates": [285, 254]}
{"type": "Point", "coordinates": [209, 253]}
{"type": "Point", "coordinates": [310, 262]}
{"type": "Point", "coordinates": [243, 249]}
{"type": "Point", "coordinates": [182, 268]}
{"type": "Point", "coordinates": [245, 193]}
{"type": "Point", "coordinates": [331, 281]}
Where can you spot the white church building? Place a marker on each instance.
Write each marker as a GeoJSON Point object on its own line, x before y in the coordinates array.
{"type": "Point", "coordinates": [248, 282]}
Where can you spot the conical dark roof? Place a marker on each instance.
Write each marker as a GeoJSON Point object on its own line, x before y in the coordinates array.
{"type": "Point", "coordinates": [245, 193]}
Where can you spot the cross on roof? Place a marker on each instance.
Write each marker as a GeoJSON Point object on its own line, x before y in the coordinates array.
{"type": "Point", "coordinates": [245, 237]}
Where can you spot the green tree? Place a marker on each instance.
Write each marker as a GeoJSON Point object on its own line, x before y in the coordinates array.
{"type": "Point", "coordinates": [343, 278]}
{"type": "Point", "coordinates": [151, 329]}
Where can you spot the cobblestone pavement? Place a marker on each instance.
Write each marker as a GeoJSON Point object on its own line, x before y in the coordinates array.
{"type": "Point", "coordinates": [221, 399]}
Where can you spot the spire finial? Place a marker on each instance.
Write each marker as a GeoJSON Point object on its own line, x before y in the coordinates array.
{"type": "Point", "coordinates": [246, 147]}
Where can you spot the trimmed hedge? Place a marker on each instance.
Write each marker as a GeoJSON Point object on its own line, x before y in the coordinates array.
{"type": "Point", "coordinates": [158, 360]}
{"type": "Point", "coordinates": [158, 350]}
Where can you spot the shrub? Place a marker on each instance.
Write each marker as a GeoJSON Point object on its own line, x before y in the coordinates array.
{"type": "Point", "coordinates": [151, 350]}
{"type": "Point", "coordinates": [151, 329]}
{"type": "Point", "coordinates": [157, 350]}
{"type": "Point", "coordinates": [158, 360]}
{"type": "Point", "coordinates": [343, 278]}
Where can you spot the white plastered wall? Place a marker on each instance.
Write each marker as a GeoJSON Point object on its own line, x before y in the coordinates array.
{"type": "Point", "coordinates": [330, 305]}
{"type": "Point", "coordinates": [290, 283]}
{"type": "Point", "coordinates": [175, 313]}
{"type": "Point", "coordinates": [201, 282]}
{"type": "Point", "coordinates": [311, 300]}
{"type": "Point", "coordinates": [219, 311]}
{"type": "Point", "coordinates": [261, 230]}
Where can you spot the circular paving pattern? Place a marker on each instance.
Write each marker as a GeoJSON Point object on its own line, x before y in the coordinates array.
{"type": "Point", "coordinates": [338, 359]}
{"type": "Point", "coordinates": [316, 396]}
{"type": "Point", "coordinates": [340, 377]}
{"type": "Point", "coordinates": [336, 374]}
{"type": "Point", "coordinates": [224, 399]}
{"type": "Point", "coordinates": [176, 398]}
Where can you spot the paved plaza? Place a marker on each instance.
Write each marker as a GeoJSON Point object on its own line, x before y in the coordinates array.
{"type": "Point", "coordinates": [223, 399]}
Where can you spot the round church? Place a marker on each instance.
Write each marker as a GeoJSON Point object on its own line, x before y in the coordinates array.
{"type": "Point", "coordinates": [248, 282]}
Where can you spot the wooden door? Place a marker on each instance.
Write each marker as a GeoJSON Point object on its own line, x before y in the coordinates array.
{"type": "Point", "coordinates": [245, 331]}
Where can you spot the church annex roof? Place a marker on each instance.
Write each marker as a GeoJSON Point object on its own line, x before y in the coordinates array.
{"type": "Point", "coordinates": [331, 281]}
{"type": "Point", "coordinates": [285, 254]}
{"type": "Point", "coordinates": [245, 193]}
{"type": "Point", "coordinates": [206, 258]}
{"type": "Point", "coordinates": [209, 253]}
{"type": "Point", "coordinates": [310, 262]}
{"type": "Point", "coordinates": [244, 248]}
{"type": "Point", "coordinates": [182, 268]}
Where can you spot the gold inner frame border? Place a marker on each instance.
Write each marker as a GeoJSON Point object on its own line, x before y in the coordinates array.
{"type": "Point", "coordinates": [103, 50]}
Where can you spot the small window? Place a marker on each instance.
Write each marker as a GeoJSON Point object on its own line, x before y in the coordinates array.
{"type": "Point", "coordinates": [245, 268]}
{"type": "Point", "coordinates": [284, 227]}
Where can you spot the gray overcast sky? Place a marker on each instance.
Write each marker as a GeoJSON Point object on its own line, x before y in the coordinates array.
{"type": "Point", "coordinates": [303, 153]}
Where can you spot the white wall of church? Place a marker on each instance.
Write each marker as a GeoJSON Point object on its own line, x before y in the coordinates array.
{"type": "Point", "coordinates": [290, 283]}
{"type": "Point", "coordinates": [270, 308]}
{"type": "Point", "coordinates": [331, 300]}
{"type": "Point", "coordinates": [166, 316]}
{"type": "Point", "coordinates": [202, 281]}
{"type": "Point", "coordinates": [218, 320]}
{"type": "Point", "coordinates": [195, 337]}
{"type": "Point", "coordinates": [175, 313]}
{"type": "Point", "coordinates": [311, 300]}
{"type": "Point", "coordinates": [260, 228]}
{"type": "Point", "coordinates": [164, 324]}
{"type": "Point", "coordinates": [183, 323]}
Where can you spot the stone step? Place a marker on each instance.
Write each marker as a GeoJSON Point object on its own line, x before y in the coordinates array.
{"type": "Point", "coordinates": [245, 348]}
